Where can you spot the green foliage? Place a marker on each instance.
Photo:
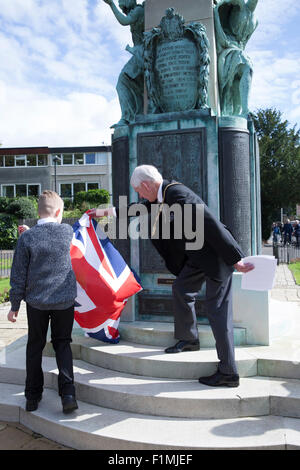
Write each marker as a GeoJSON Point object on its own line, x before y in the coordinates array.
{"type": "Point", "coordinates": [4, 290]}
{"type": "Point", "coordinates": [23, 208]}
{"type": "Point", "coordinates": [4, 297]}
{"type": "Point", "coordinates": [94, 197]}
{"type": "Point", "coordinates": [68, 204]}
{"type": "Point", "coordinates": [279, 165]}
{"type": "Point", "coordinates": [4, 203]}
{"type": "Point", "coordinates": [8, 232]}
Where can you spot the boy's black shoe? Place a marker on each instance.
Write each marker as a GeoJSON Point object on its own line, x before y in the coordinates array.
{"type": "Point", "coordinates": [183, 346]}
{"type": "Point", "coordinates": [218, 379]}
{"type": "Point", "coordinates": [32, 404]}
{"type": "Point", "coordinates": [69, 403]}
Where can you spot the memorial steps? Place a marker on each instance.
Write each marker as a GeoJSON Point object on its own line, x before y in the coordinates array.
{"type": "Point", "coordinates": [134, 396]}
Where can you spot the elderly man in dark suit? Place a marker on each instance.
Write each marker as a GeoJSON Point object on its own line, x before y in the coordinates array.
{"type": "Point", "coordinates": [214, 264]}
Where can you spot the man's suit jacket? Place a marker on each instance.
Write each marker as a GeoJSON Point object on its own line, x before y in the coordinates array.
{"type": "Point", "coordinates": [220, 250]}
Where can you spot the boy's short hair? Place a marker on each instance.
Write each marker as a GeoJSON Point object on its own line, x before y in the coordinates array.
{"type": "Point", "coordinates": [49, 202]}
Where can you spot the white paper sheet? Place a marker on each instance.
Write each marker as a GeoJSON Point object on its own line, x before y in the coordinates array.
{"type": "Point", "coordinates": [262, 277]}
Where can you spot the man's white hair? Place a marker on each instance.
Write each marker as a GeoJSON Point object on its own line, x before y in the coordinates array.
{"type": "Point", "coordinates": [145, 173]}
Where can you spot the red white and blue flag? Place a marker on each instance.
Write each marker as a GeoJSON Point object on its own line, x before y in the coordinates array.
{"type": "Point", "coordinates": [104, 281]}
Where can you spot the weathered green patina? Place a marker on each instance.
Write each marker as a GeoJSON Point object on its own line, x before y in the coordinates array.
{"type": "Point", "coordinates": [234, 25]}
{"type": "Point", "coordinates": [176, 65]}
{"type": "Point", "coordinates": [130, 86]}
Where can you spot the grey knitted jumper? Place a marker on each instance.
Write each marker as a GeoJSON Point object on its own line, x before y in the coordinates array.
{"type": "Point", "coordinates": [42, 272]}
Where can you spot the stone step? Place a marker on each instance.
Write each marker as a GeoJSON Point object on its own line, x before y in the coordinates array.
{"type": "Point", "coordinates": [151, 361]}
{"type": "Point", "coordinates": [93, 427]}
{"type": "Point", "coordinates": [167, 397]}
{"type": "Point", "coordinates": [278, 360]}
{"type": "Point", "coordinates": [162, 334]}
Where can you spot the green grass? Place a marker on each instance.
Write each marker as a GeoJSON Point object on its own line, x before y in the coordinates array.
{"type": "Point", "coordinates": [4, 284]}
{"type": "Point", "coordinates": [295, 268]}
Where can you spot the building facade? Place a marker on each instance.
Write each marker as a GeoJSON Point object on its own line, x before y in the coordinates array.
{"type": "Point", "coordinates": [66, 170]}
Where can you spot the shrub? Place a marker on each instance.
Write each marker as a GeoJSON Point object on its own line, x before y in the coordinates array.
{"type": "Point", "coordinates": [8, 232]}
{"type": "Point", "coordinates": [23, 208]}
{"type": "Point", "coordinates": [4, 296]}
{"type": "Point", "coordinates": [4, 203]}
{"type": "Point", "coordinates": [68, 204]}
{"type": "Point", "coordinates": [92, 198]}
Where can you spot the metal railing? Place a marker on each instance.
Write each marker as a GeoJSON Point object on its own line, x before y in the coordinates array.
{"type": "Point", "coordinates": [286, 253]}
{"type": "Point", "coordinates": [6, 258]}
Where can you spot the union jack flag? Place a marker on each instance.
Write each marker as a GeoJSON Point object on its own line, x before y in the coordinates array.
{"type": "Point", "coordinates": [104, 281]}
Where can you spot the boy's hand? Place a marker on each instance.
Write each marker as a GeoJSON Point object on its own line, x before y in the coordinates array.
{"type": "Point", "coordinates": [12, 316]}
{"type": "Point", "coordinates": [22, 228]}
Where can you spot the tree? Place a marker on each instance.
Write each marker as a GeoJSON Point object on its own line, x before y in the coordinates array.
{"type": "Point", "coordinates": [279, 165]}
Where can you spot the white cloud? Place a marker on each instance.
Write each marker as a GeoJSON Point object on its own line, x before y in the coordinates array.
{"type": "Point", "coordinates": [38, 119]}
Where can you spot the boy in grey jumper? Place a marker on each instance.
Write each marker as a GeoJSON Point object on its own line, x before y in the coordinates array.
{"type": "Point", "coordinates": [42, 275]}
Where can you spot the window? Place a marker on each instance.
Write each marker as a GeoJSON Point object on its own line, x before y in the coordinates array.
{"type": "Point", "coordinates": [31, 160]}
{"type": "Point", "coordinates": [78, 159]}
{"type": "Point", "coordinates": [24, 190]}
{"type": "Point", "coordinates": [20, 160]}
{"type": "Point", "coordinates": [101, 158]}
{"type": "Point", "coordinates": [42, 160]}
{"type": "Point", "coordinates": [17, 161]}
{"type": "Point", "coordinates": [21, 190]}
{"type": "Point", "coordinates": [90, 158]}
{"type": "Point", "coordinates": [9, 160]}
{"type": "Point", "coordinates": [78, 187]}
{"type": "Point", "coordinates": [92, 186]}
{"type": "Point", "coordinates": [8, 190]}
{"type": "Point", "coordinates": [68, 159]}
{"type": "Point", "coordinates": [33, 190]}
{"type": "Point", "coordinates": [66, 190]}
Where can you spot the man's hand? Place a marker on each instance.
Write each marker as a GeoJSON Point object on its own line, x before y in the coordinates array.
{"type": "Point", "coordinates": [97, 213]}
{"type": "Point", "coordinates": [12, 316]}
{"type": "Point", "coordinates": [22, 229]}
{"type": "Point", "coordinates": [243, 267]}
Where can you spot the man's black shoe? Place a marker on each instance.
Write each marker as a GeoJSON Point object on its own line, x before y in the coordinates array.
{"type": "Point", "coordinates": [32, 404]}
{"type": "Point", "coordinates": [69, 403]}
{"type": "Point", "coordinates": [183, 346]}
{"type": "Point", "coordinates": [218, 379]}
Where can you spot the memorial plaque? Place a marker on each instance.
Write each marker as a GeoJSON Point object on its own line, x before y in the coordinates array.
{"type": "Point", "coordinates": [179, 155]}
{"type": "Point", "coordinates": [176, 65]}
{"type": "Point", "coordinates": [176, 69]}
{"type": "Point", "coordinates": [235, 185]}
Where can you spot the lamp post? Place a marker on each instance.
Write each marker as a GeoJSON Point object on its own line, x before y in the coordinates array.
{"type": "Point", "coordinates": [55, 159]}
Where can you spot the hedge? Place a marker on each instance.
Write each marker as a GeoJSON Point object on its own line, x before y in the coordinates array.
{"type": "Point", "coordinates": [92, 197]}
{"type": "Point", "coordinates": [8, 232]}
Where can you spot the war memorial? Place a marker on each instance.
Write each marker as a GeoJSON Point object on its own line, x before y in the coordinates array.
{"type": "Point", "coordinates": [184, 95]}
{"type": "Point", "coordinates": [184, 101]}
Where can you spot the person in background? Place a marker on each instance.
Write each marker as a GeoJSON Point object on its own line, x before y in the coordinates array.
{"type": "Point", "coordinates": [287, 232]}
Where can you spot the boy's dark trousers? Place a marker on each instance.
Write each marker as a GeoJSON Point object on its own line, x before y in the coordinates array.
{"type": "Point", "coordinates": [61, 330]}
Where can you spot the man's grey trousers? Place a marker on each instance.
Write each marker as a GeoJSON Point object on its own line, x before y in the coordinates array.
{"type": "Point", "coordinates": [218, 305]}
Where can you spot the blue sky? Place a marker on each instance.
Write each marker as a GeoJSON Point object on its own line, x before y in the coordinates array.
{"type": "Point", "coordinates": [60, 61]}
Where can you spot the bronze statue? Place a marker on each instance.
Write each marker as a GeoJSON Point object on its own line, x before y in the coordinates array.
{"type": "Point", "coordinates": [234, 24]}
{"type": "Point", "coordinates": [130, 86]}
